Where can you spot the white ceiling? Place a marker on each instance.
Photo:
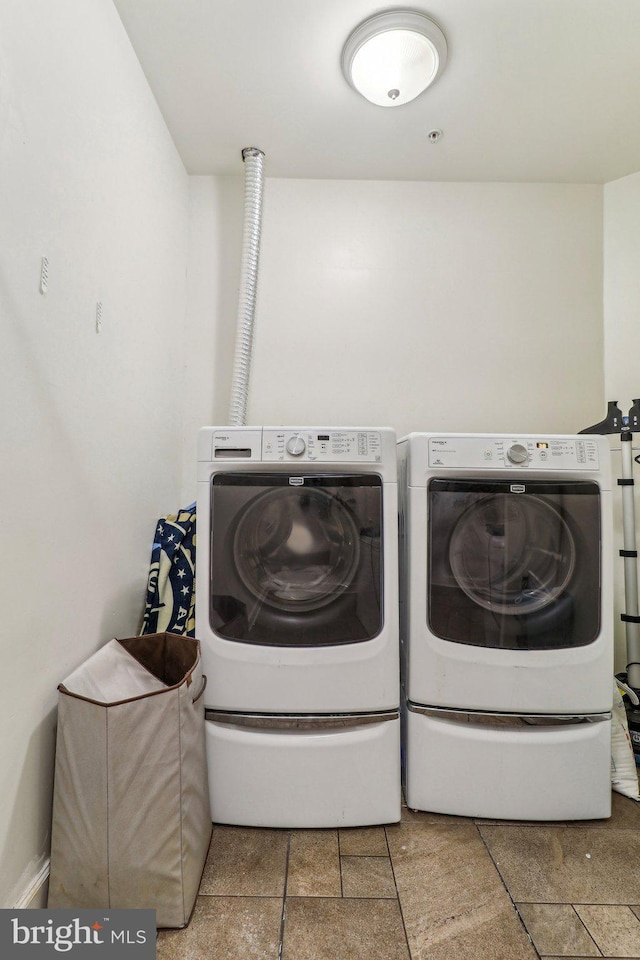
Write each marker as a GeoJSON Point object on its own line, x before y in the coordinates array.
{"type": "Point", "coordinates": [534, 90]}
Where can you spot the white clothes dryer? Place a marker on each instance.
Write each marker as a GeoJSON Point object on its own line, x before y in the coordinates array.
{"type": "Point", "coordinates": [296, 611]}
{"type": "Point", "coordinates": [507, 624]}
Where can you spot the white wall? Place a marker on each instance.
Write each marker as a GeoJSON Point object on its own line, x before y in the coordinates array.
{"type": "Point", "coordinates": [430, 306]}
{"type": "Point", "coordinates": [622, 290]}
{"type": "Point", "coordinates": [91, 433]}
{"type": "Point", "coordinates": [622, 342]}
{"type": "Point", "coordinates": [420, 305]}
{"type": "Point", "coordinates": [215, 245]}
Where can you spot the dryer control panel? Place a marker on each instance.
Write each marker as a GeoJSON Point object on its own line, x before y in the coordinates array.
{"type": "Point", "coordinates": [480, 452]}
{"type": "Point", "coordinates": [332, 446]}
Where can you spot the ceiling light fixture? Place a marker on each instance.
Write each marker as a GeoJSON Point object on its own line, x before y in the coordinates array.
{"type": "Point", "coordinates": [393, 57]}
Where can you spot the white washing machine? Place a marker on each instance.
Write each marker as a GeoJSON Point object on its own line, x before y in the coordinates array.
{"type": "Point", "coordinates": [506, 624]}
{"type": "Point", "coordinates": [297, 615]}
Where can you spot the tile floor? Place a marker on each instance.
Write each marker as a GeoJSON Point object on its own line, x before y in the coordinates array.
{"type": "Point", "coordinates": [429, 888]}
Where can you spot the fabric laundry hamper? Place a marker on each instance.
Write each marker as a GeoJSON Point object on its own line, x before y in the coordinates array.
{"type": "Point", "coordinates": [131, 819]}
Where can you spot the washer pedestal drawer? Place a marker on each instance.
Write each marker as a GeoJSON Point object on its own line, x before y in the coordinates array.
{"type": "Point", "coordinates": [507, 768]}
{"type": "Point", "coordinates": [341, 776]}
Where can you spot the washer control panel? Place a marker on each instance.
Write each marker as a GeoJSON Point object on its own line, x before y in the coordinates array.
{"type": "Point", "coordinates": [332, 446]}
{"type": "Point", "coordinates": [551, 453]}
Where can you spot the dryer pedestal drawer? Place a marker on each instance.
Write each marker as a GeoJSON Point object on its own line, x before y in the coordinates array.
{"type": "Point", "coordinates": [504, 769]}
{"type": "Point", "coordinates": [336, 777]}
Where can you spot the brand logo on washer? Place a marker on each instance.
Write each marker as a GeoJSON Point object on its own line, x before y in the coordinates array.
{"type": "Point", "coordinates": [517, 488]}
{"type": "Point", "coordinates": [296, 481]}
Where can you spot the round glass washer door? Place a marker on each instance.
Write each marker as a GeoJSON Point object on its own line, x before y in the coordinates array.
{"type": "Point", "coordinates": [296, 549]}
{"type": "Point", "coordinates": [512, 554]}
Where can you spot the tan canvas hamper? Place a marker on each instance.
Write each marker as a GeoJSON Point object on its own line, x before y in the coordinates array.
{"type": "Point", "coordinates": [131, 819]}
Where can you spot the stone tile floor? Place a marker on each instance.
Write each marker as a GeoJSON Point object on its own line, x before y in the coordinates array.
{"type": "Point", "coordinates": [428, 888]}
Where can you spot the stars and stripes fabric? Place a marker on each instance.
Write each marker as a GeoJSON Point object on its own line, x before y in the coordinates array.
{"type": "Point", "coordinates": [171, 596]}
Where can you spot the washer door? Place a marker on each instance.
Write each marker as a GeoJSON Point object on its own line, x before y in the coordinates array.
{"type": "Point", "coordinates": [512, 555]}
{"type": "Point", "coordinates": [296, 560]}
{"type": "Point", "coordinates": [296, 550]}
{"type": "Point", "coordinates": [514, 564]}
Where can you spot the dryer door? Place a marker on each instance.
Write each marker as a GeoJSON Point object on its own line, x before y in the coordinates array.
{"type": "Point", "coordinates": [295, 559]}
{"type": "Point", "coordinates": [514, 565]}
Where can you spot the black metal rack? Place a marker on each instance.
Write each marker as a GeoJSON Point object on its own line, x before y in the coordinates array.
{"type": "Point", "coordinates": [626, 426]}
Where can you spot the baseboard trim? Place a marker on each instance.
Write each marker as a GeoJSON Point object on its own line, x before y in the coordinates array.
{"type": "Point", "coordinates": [35, 895]}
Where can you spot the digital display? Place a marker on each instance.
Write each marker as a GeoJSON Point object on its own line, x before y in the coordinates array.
{"type": "Point", "coordinates": [324, 436]}
{"type": "Point", "coordinates": [542, 445]}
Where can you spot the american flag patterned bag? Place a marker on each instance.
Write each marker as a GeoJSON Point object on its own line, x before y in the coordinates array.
{"type": "Point", "coordinates": [171, 598]}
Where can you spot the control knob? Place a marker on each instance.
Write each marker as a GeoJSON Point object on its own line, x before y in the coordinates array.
{"type": "Point", "coordinates": [517, 453]}
{"type": "Point", "coordinates": [296, 446]}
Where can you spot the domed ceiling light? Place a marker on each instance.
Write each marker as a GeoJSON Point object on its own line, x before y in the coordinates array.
{"type": "Point", "coordinates": [392, 57]}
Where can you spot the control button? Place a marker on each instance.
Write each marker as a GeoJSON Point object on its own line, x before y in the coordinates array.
{"type": "Point", "coordinates": [296, 446]}
{"type": "Point", "coordinates": [517, 453]}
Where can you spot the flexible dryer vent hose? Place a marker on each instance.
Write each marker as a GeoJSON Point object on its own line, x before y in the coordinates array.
{"type": "Point", "coordinates": [253, 190]}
